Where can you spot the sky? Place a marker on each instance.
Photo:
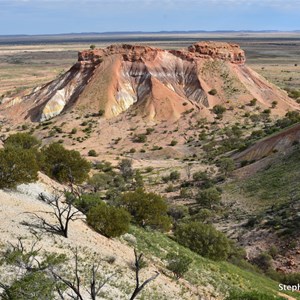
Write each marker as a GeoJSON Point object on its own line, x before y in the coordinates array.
{"type": "Point", "coordinates": [76, 16]}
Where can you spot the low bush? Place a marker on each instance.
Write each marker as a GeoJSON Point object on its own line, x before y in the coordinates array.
{"type": "Point", "coordinates": [204, 239]}
{"type": "Point", "coordinates": [219, 109]}
{"type": "Point", "coordinates": [178, 263]}
{"type": "Point", "coordinates": [64, 165]}
{"type": "Point", "coordinates": [108, 220]}
{"type": "Point", "coordinates": [147, 209]}
{"type": "Point", "coordinates": [22, 140]}
{"type": "Point", "coordinates": [213, 92]}
{"type": "Point", "coordinates": [209, 197]}
{"type": "Point", "coordinates": [17, 165]}
{"type": "Point", "coordinates": [92, 152]}
{"type": "Point", "coordinates": [86, 201]}
{"type": "Point", "coordinates": [174, 175]}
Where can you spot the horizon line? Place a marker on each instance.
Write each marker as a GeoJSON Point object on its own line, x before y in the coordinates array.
{"type": "Point", "coordinates": [152, 32]}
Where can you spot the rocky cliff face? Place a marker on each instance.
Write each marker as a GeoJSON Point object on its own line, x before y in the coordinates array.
{"type": "Point", "coordinates": [159, 84]}
{"type": "Point", "coordinates": [228, 52]}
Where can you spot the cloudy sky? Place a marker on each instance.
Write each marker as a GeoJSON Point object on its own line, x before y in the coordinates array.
{"type": "Point", "coordinates": [65, 16]}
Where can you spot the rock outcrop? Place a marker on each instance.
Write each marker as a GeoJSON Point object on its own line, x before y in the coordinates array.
{"type": "Point", "coordinates": [158, 84]}
{"type": "Point", "coordinates": [228, 52]}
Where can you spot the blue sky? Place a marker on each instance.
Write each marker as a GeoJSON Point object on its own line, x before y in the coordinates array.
{"type": "Point", "coordinates": [57, 16]}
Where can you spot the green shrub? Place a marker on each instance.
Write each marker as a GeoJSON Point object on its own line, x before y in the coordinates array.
{"type": "Point", "coordinates": [273, 251]}
{"type": "Point", "coordinates": [266, 111]}
{"type": "Point", "coordinates": [263, 261]}
{"type": "Point", "coordinates": [32, 286]}
{"type": "Point", "coordinates": [100, 181]}
{"type": "Point", "coordinates": [178, 263]}
{"type": "Point", "coordinates": [226, 165]}
{"type": "Point", "coordinates": [185, 193]}
{"type": "Point", "coordinates": [25, 127]}
{"type": "Point", "coordinates": [126, 169]}
{"type": "Point", "coordinates": [178, 212]}
{"type": "Point", "coordinates": [149, 130]}
{"type": "Point", "coordinates": [149, 169]}
{"type": "Point", "coordinates": [101, 112]}
{"type": "Point", "coordinates": [64, 165]}
{"type": "Point", "coordinates": [86, 201]}
{"type": "Point", "coordinates": [104, 166]}
{"type": "Point", "coordinates": [253, 102]}
{"type": "Point", "coordinates": [204, 239]}
{"type": "Point", "coordinates": [293, 93]}
{"type": "Point", "coordinates": [92, 152]}
{"type": "Point", "coordinates": [213, 92]}
{"type": "Point", "coordinates": [170, 188]}
{"type": "Point", "coordinates": [202, 215]}
{"type": "Point", "coordinates": [155, 148]}
{"type": "Point", "coordinates": [140, 138]}
{"type": "Point", "coordinates": [202, 179]}
{"type": "Point", "coordinates": [174, 175]}
{"type": "Point", "coordinates": [173, 143]}
{"type": "Point", "coordinates": [17, 165]}
{"type": "Point", "coordinates": [119, 182]}
{"type": "Point", "coordinates": [138, 180]}
{"type": "Point", "coordinates": [109, 220]}
{"type": "Point", "coordinates": [274, 104]}
{"type": "Point", "coordinates": [74, 131]}
{"type": "Point", "coordinates": [147, 209]}
{"type": "Point", "coordinates": [22, 140]}
{"type": "Point", "coordinates": [289, 278]}
{"type": "Point", "coordinates": [166, 178]}
{"type": "Point", "coordinates": [208, 197]}
{"type": "Point", "coordinates": [219, 110]}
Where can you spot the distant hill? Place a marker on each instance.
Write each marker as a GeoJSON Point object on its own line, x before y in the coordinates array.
{"type": "Point", "coordinates": [157, 84]}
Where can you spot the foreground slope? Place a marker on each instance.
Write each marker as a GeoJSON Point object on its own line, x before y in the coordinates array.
{"type": "Point", "coordinates": [207, 279]}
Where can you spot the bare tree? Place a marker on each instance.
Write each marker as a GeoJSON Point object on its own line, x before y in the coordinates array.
{"type": "Point", "coordinates": [75, 285]}
{"type": "Point", "coordinates": [188, 170]}
{"type": "Point", "coordinates": [138, 286]}
{"type": "Point", "coordinates": [63, 211]}
{"type": "Point", "coordinates": [26, 260]}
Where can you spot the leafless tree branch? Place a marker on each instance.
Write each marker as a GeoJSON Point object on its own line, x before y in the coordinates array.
{"type": "Point", "coordinates": [138, 287]}
{"type": "Point", "coordinates": [63, 211]}
{"type": "Point", "coordinates": [75, 285]}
